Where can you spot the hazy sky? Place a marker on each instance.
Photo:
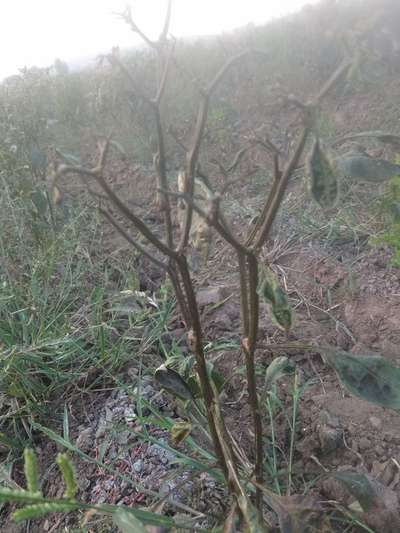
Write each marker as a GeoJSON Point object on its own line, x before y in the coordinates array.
{"type": "Point", "coordinates": [35, 32]}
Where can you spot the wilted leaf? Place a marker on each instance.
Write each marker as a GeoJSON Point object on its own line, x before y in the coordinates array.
{"type": "Point", "coordinates": [267, 291]}
{"type": "Point", "coordinates": [361, 166]}
{"type": "Point", "coordinates": [283, 317]}
{"type": "Point", "coordinates": [268, 285]}
{"type": "Point", "coordinates": [298, 513]}
{"type": "Point", "coordinates": [185, 367]}
{"type": "Point", "coordinates": [179, 431]}
{"type": "Point", "coordinates": [173, 383]}
{"type": "Point", "coordinates": [370, 377]}
{"type": "Point", "coordinates": [279, 367]}
{"type": "Point", "coordinates": [359, 487]}
{"type": "Point", "coordinates": [277, 299]}
{"type": "Point", "coordinates": [323, 181]}
{"type": "Point", "coordinates": [127, 523]}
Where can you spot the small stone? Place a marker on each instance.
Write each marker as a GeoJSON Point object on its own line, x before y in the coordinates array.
{"type": "Point", "coordinates": [364, 444]}
{"type": "Point", "coordinates": [380, 451]}
{"type": "Point", "coordinates": [84, 483]}
{"type": "Point", "coordinates": [375, 422]}
{"type": "Point", "coordinates": [330, 438]}
{"type": "Point", "coordinates": [85, 440]}
{"type": "Point", "coordinates": [129, 414]}
{"type": "Point", "coordinates": [138, 466]}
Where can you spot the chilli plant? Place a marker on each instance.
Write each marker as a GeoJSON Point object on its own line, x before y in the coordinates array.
{"type": "Point", "coordinates": [370, 377]}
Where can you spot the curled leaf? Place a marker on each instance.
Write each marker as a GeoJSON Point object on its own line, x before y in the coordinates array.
{"type": "Point", "coordinates": [185, 367]}
{"type": "Point", "coordinates": [267, 291]}
{"type": "Point", "coordinates": [280, 366]}
{"type": "Point", "coordinates": [281, 298]}
{"type": "Point", "coordinates": [370, 377]}
{"type": "Point", "coordinates": [283, 318]}
{"type": "Point", "coordinates": [180, 431]}
{"type": "Point", "coordinates": [268, 285]}
{"type": "Point", "coordinates": [173, 383]}
{"type": "Point", "coordinates": [323, 181]}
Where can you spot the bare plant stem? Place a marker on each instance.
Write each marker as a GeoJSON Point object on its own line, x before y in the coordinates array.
{"type": "Point", "coordinates": [195, 339]}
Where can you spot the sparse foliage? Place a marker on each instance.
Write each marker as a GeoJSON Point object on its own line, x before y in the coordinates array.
{"type": "Point", "coordinates": [198, 219]}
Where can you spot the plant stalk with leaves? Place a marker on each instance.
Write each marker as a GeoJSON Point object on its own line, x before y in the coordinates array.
{"type": "Point", "coordinates": [175, 262]}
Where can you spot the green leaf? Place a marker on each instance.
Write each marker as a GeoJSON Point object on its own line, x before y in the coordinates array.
{"type": "Point", "coordinates": [127, 522]}
{"type": "Point", "coordinates": [268, 285]}
{"type": "Point", "coordinates": [31, 469]}
{"type": "Point", "coordinates": [359, 486]}
{"type": "Point", "coordinates": [185, 367]}
{"type": "Point", "coordinates": [370, 377]}
{"type": "Point", "coordinates": [283, 317]}
{"type": "Point", "coordinates": [323, 181]}
{"type": "Point", "coordinates": [280, 366]}
{"type": "Point", "coordinates": [360, 166]}
{"type": "Point", "coordinates": [173, 383]}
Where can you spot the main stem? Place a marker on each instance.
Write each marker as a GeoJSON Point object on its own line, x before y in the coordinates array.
{"type": "Point", "coordinates": [250, 311]}
{"type": "Point", "coordinates": [196, 339]}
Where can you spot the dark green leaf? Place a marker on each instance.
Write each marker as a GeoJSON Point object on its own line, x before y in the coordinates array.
{"type": "Point", "coordinates": [323, 181]}
{"type": "Point", "coordinates": [268, 285]}
{"type": "Point", "coordinates": [173, 383]}
{"type": "Point", "coordinates": [283, 317]}
{"type": "Point", "coordinates": [359, 486]}
{"type": "Point", "coordinates": [371, 377]}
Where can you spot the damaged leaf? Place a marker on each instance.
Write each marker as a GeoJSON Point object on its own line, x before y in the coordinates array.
{"type": "Point", "coordinates": [359, 487]}
{"type": "Point", "coordinates": [370, 377]}
{"type": "Point", "coordinates": [172, 382]}
{"type": "Point", "coordinates": [323, 180]}
{"type": "Point", "coordinates": [180, 431]}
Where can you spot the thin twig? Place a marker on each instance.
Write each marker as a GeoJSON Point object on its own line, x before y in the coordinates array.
{"type": "Point", "coordinates": [193, 153]}
{"type": "Point", "coordinates": [132, 241]}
